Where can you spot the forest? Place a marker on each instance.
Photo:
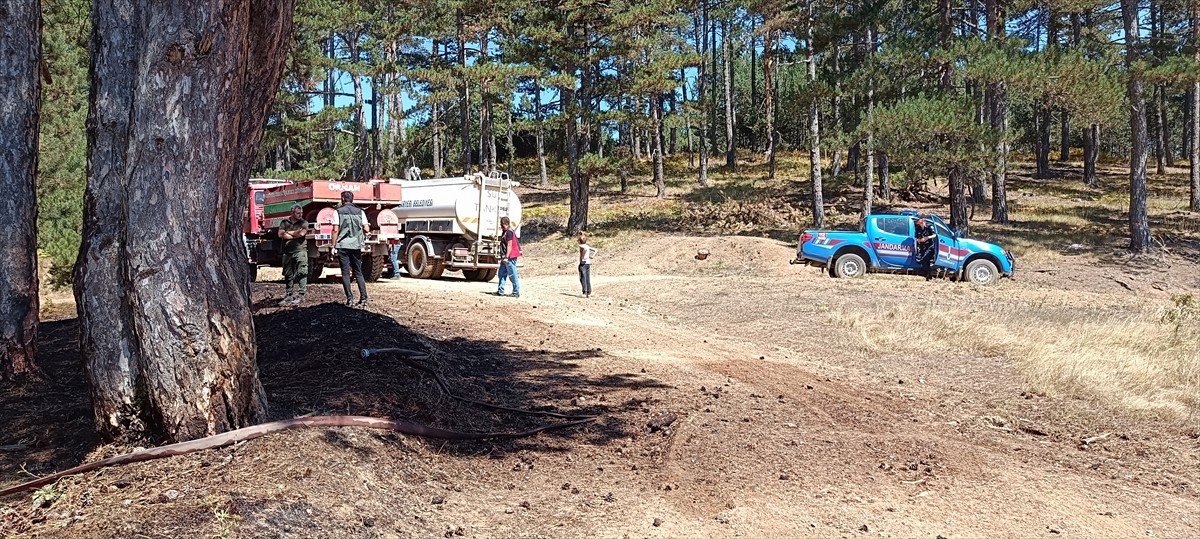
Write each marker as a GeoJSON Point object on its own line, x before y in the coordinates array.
{"type": "Point", "coordinates": [892, 92]}
{"type": "Point", "coordinates": [898, 95]}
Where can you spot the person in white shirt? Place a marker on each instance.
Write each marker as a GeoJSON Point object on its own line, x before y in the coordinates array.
{"type": "Point", "coordinates": [586, 252]}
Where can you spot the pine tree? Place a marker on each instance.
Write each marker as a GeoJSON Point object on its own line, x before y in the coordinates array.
{"type": "Point", "coordinates": [20, 91]}
{"type": "Point", "coordinates": [161, 283]}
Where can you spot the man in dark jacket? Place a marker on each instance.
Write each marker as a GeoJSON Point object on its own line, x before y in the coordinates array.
{"type": "Point", "coordinates": [926, 246]}
{"type": "Point", "coordinates": [350, 227]}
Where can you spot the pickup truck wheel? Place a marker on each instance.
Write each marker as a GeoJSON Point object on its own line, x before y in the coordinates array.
{"type": "Point", "coordinates": [417, 261]}
{"type": "Point", "coordinates": [848, 266]}
{"type": "Point", "coordinates": [982, 271]}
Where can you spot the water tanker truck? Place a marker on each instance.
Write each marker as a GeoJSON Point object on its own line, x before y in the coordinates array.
{"type": "Point", "coordinates": [453, 224]}
{"type": "Point", "coordinates": [271, 202]}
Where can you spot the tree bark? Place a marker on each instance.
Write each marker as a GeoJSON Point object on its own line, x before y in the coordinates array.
{"type": "Point", "coordinates": [580, 183]}
{"type": "Point", "coordinates": [20, 92]}
{"type": "Point", "coordinates": [814, 125]}
{"type": "Point", "coordinates": [730, 117]}
{"type": "Point", "coordinates": [955, 174]}
{"type": "Point", "coordinates": [464, 96]}
{"type": "Point", "coordinates": [1042, 145]}
{"type": "Point", "coordinates": [869, 181]}
{"type": "Point", "coordinates": [1160, 132]}
{"type": "Point", "coordinates": [1064, 136]}
{"type": "Point", "coordinates": [656, 114]}
{"type": "Point", "coordinates": [1194, 204]}
{"type": "Point", "coordinates": [180, 92]}
{"type": "Point", "coordinates": [435, 122]}
{"type": "Point", "coordinates": [1091, 154]}
{"type": "Point", "coordinates": [1139, 219]}
{"type": "Point", "coordinates": [885, 180]}
{"type": "Point", "coordinates": [701, 37]}
{"type": "Point", "coordinates": [543, 179]}
{"type": "Point", "coordinates": [997, 112]}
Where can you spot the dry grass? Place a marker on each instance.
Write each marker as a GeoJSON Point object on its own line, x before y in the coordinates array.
{"type": "Point", "coordinates": [1142, 359]}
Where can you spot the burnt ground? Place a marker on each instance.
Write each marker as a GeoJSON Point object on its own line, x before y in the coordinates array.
{"type": "Point", "coordinates": [728, 404]}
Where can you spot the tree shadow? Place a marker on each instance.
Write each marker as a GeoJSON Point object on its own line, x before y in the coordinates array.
{"type": "Point", "coordinates": [310, 363]}
{"type": "Point", "coordinates": [310, 371]}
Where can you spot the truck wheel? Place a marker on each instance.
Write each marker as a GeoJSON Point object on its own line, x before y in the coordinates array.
{"type": "Point", "coordinates": [982, 271]}
{"type": "Point", "coordinates": [316, 267]}
{"type": "Point", "coordinates": [481, 275]}
{"type": "Point", "coordinates": [373, 267]}
{"type": "Point", "coordinates": [439, 267]}
{"type": "Point", "coordinates": [417, 261]}
{"type": "Point", "coordinates": [848, 266]}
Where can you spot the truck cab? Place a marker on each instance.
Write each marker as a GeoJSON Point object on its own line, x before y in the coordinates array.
{"type": "Point", "coordinates": [888, 246]}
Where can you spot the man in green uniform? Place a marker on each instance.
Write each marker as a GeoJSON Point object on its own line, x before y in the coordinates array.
{"type": "Point", "coordinates": [293, 232]}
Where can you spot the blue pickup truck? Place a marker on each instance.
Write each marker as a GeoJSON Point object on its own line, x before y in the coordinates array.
{"type": "Point", "coordinates": [888, 247]}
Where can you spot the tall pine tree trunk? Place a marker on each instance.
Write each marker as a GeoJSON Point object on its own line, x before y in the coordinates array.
{"type": "Point", "coordinates": [1139, 219]}
{"type": "Point", "coordinates": [1042, 145]}
{"type": "Point", "coordinates": [580, 185]}
{"type": "Point", "coordinates": [885, 180]}
{"type": "Point", "coordinates": [162, 283]}
{"type": "Point", "coordinates": [539, 115]}
{"type": "Point", "coordinates": [955, 174]}
{"type": "Point", "coordinates": [464, 97]}
{"type": "Point", "coordinates": [1160, 131]}
{"type": "Point", "coordinates": [768, 61]}
{"type": "Point", "coordinates": [869, 182]}
{"type": "Point", "coordinates": [730, 117]}
{"type": "Point", "coordinates": [1091, 155]}
{"type": "Point", "coordinates": [814, 124]}
{"type": "Point", "coordinates": [20, 93]}
{"type": "Point", "coordinates": [1064, 136]}
{"type": "Point", "coordinates": [997, 112]}
{"type": "Point", "coordinates": [701, 37]}
{"type": "Point", "coordinates": [656, 114]}
{"type": "Point", "coordinates": [435, 122]}
{"type": "Point", "coordinates": [1194, 155]}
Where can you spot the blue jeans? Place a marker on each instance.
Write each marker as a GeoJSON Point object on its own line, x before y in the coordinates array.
{"type": "Point", "coordinates": [395, 261]}
{"type": "Point", "coordinates": [508, 268]}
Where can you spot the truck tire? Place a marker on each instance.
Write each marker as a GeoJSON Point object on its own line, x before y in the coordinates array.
{"type": "Point", "coordinates": [418, 262]}
{"type": "Point", "coordinates": [316, 267]}
{"type": "Point", "coordinates": [439, 267]}
{"type": "Point", "coordinates": [848, 266]}
{"type": "Point", "coordinates": [481, 275]}
{"type": "Point", "coordinates": [373, 267]}
{"type": "Point", "coordinates": [982, 271]}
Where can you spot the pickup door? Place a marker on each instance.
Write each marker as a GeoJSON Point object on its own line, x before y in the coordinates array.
{"type": "Point", "coordinates": [892, 239]}
{"type": "Point", "coordinates": [949, 255]}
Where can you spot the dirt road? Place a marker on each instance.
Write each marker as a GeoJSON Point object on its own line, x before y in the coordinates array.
{"type": "Point", "coordinates": [737, 399]}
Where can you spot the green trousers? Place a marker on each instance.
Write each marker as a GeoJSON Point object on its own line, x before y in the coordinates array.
{"type": "Point", "coordinates": [295, 272]}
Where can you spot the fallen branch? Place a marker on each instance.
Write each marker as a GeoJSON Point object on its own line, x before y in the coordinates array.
{"type": "Point", "coordinates": [250, 433]}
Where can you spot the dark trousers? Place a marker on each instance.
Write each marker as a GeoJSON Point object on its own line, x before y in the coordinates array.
{"type": "Point", "coordinates": [585, 277]}
{"type": "Point", "coordinates": [352, 261]}
{"type": "Point", "coordinates": [295, 272]}
{"type": "Point", "coordinates": [926, 258]}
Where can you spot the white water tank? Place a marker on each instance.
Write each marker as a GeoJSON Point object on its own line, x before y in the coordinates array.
{"type": "Point", "coordinates": [428, 204]}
